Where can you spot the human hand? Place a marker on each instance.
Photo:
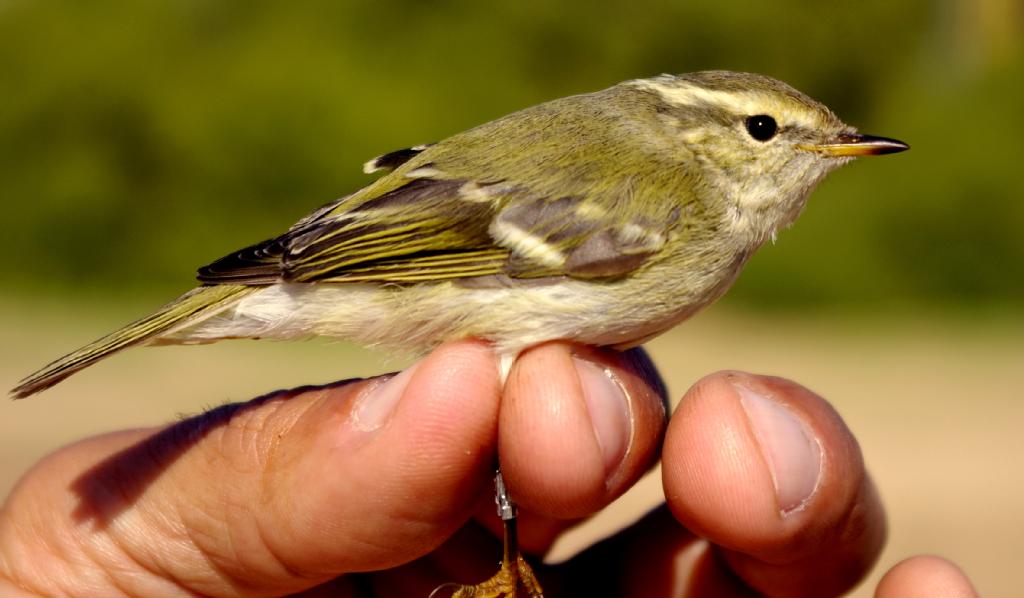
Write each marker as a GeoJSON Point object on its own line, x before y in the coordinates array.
{"type": "Point", "coordinates": [382, 487]}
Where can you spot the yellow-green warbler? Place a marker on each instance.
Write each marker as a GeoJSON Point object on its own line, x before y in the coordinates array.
{"type": "Point", "coordinates": [604, 218]}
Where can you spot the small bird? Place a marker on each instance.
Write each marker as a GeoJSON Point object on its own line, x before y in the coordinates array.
{"type": "Point", "coordinates": [604, 218]}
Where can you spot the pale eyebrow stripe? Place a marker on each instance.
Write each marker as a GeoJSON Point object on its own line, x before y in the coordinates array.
{"type": "Point", "coordinates": [741, 103]}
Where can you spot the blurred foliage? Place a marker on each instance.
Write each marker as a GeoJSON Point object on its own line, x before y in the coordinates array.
{"type": "Point", "coordinates": [140, 139]}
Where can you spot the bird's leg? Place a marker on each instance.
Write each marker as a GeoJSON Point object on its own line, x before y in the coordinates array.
{"type": "Point", "coordinates": [515, 572]}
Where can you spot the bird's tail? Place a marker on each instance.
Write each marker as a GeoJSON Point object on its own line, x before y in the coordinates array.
{"type": "Point", "coordinates": [195, 305]}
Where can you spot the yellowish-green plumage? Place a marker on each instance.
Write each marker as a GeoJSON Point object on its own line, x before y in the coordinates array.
{"type": "Point", "coordinates": [603, 218]}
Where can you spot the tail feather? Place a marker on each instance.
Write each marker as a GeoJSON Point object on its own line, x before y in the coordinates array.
{"type": "Point", "coordinates": [191, 307]}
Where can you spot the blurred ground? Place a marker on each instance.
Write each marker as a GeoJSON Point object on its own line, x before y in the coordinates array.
{"type": "Point", "coordinates": [935, 402]}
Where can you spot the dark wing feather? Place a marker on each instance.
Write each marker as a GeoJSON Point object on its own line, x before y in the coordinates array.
{"type": "Point", "coordinates": [257, 264]}
{"type": "Point", "coordinates": [393, 160]}
{"type": "Point", "coordinates": [406, 228]}
{"type": "Point", "coordinates": [423, 230]}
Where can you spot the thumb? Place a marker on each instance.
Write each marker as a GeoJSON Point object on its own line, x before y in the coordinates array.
{"type": "Point", "coordinates": [266, 497]}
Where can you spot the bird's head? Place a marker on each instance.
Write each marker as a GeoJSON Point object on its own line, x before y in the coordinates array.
{"type": "Point", "coordinates": [755, 143]}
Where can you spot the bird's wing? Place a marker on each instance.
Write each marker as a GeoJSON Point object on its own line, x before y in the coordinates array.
{"type": "Point", "coordinates": [424, 224]}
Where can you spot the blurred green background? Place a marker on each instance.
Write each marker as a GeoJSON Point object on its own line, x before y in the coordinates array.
{"type": "Point", "coordinates": [141, 139]}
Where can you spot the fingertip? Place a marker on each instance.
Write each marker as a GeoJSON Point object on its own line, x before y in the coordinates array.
{"type": "Point", "coordinates": [747, 455]}
{"type": "Point", "coordinates": [436, 444]}
{"type": "Point", "coordinates": [578, 425]}
{"type": "Point", "coordinates": [925, 576]}
{"type": "Point", "coordinates": [378, 472]}
{"type": "Point", "coordinates": [449, 410]}
{"type": "Point", "coordinates": [715, 479]}
{"type": "Point", "coordinates": [766, 469]}
{"type": "Point", "coordinates": [626, 401]}
{"type": "Point", "coordinates": [549, 453]}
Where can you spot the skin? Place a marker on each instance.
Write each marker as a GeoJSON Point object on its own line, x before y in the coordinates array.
{"type": "Point", "coordinates": [297, 491]}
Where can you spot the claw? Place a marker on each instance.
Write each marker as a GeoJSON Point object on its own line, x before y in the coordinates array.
{"type": "Point", "coordinates": [506, 583]}
{"type": "Point", "coordinates": [456, 587]}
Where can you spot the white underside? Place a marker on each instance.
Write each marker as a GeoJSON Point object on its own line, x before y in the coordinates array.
{"type": "Point", "coordinates": [416, 318]}
{"type": "Point", "coordinates": [409, 318]}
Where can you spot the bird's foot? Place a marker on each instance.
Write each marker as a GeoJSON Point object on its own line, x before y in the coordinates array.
{"type": "Point", "coordinates": [515, 573]}
{"type": "Point", "coordinates": [514, 579]}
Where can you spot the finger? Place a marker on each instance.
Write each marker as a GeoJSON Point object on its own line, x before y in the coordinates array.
{"type": "Point", "coordinates": [578, 426]}
{"type": "Point", "coordinates": [279, 494]}
{"type": "Point", "coordinates": [766, 470]}
{"type": "Point", "coordinates": [925, 576]}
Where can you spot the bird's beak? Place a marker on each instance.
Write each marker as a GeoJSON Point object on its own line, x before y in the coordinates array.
{"type": "Point", "coordinates": [855, 144]}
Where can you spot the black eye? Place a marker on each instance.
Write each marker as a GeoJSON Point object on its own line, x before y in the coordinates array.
{"type": "Point", "coordinates": [762, 127]}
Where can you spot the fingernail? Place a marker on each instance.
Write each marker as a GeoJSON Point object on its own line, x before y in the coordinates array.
{"type": "Point", "coordinates": [791, 451]}
{"type": "Point", "coordinates": [609, 409]}
{"type": "Point", "coordinates": [378, 400]}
